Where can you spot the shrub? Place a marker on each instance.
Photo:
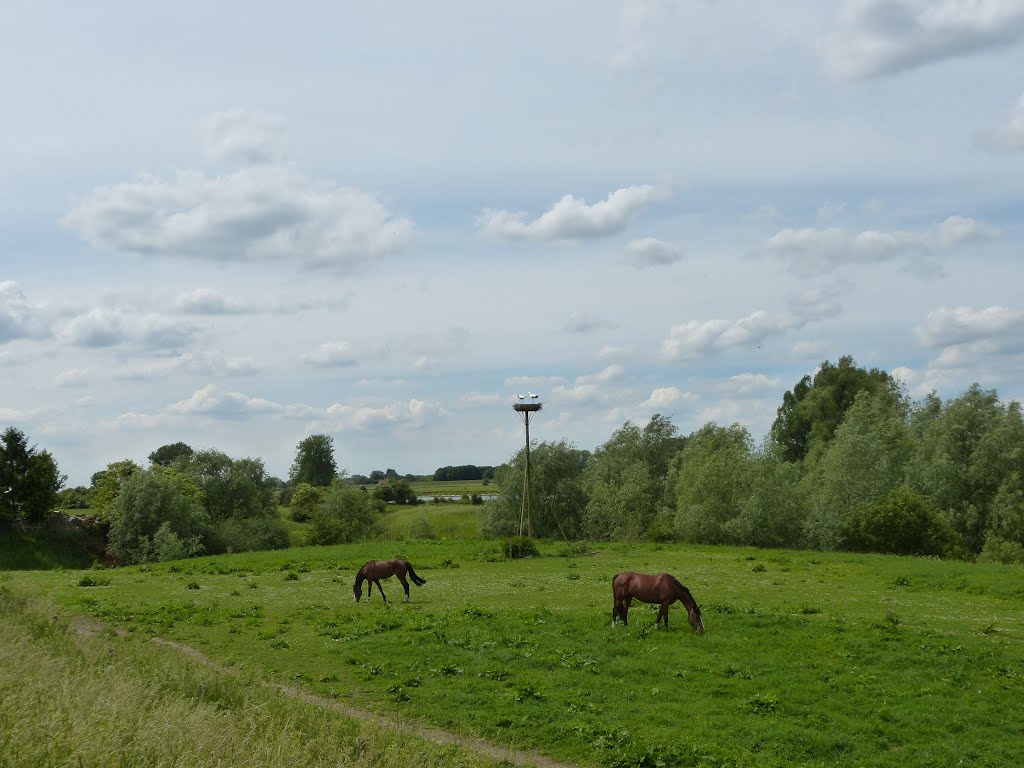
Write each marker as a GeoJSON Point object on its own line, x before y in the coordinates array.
{"type": "Point", "coordinates": [346, 515]}
{"type": "Point", "coordinates": [422, 528]}
{"type": "Point", "coordinates": [516, 547]}
{"type": "Point", "coordinates": [997, 550]}
{"type": "Point", "coordinates": [902, 523]}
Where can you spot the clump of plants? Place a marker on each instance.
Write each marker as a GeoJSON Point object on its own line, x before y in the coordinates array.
{"type": "Point", "coordinates": [516, 547]}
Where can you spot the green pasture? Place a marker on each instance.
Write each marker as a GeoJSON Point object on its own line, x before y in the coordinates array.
{"type": "Point", "coordinates": [809, 658]}
{"type": "Point", "coordinates": [452, 488]}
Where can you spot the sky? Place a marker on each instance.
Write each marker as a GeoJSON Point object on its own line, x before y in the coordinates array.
{"type": "Point", "coordinates": [240, 224]}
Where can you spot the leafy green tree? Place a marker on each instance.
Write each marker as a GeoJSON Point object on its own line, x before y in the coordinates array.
{"type": "Point", "coordinates": [713, 483]}
{"type": "Point", "coordinates": [166, 455]}
{"type": "Point", "coordinates": [626, 480]}
{"type": "Point", "coordinates": [107, 484]}
{"type": "Point", "coordinates": [238, 497]}
{"type": "Point", "coordinates": [774, 512]}
{"type": "Point", "coordinates": [314, 462]}
{"type": "Point", "coordinates": [558, 497]}
{"type": "Point", "coordinates": [346, 515]}
{"type": "Point", "coordinates": [29, 478]}
{"type": "Point", "coordinates": [305, 499]}
{"type": "Point", "coordinates": [78, 497]}
{"type": "Point", "coordinates": [968, 449]}
{"type": "Point", "coordinates": [807, 419]}
{"type": "Point", "coordinates": [395, 491]}
{"type": "Point", "coordinates": [900, 522]}
{"type": "Point", "coordinates": [865, 460]}
{"type": "Point", "coordinates": [156, 515]}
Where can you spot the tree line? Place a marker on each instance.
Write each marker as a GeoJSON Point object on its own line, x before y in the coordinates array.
{"type": "Point", "coordinates": [851, 463]}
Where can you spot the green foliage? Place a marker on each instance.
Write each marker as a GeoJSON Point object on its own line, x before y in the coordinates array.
{"type": "Point", "coordinates": [902, 523]}
{"type": "Point", "coordinates": [29, 478]}
{"type": "Point", "coordinates": [107, 485]}
{"type": "Point", "coordinates": [422, 528]}
{"type": "Point", "coordinates": [774, 511]}
{"type": "Point", "coordinates": [166, 455]}
{"type": "Point", "coordinates": [626, 482]}
{"type": "Point", "coordinates": [866, 458]}
{"type": "Point", "coordinates": [346, 514]}
{"type": "Point", "coordinates": [395, 492]}
{"type": "Point", "coordinates": [314, 462]}
{"type": "Point", "coordinates": [811, 411]}
{"type": "Point", "coordinates": [78, 497]}
{"type": "Point", "coordinates": [713, 482]}
{"type": "Point", "coordinates": [516, 547]}
{"type": "Point", "coordinates": [305, 498]}
{"type": "Point", "coordinates": [156, 516]}
{"type": "Point", "coordinates": [967, 450]}
{"type": "Point", "coordinates": [558, 498]}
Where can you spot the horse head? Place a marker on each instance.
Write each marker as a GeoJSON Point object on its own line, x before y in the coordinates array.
{"type": "Point", "coordinates": [693, 614]}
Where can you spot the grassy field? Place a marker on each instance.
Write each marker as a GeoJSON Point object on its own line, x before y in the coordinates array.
{"type": "Point", "coordinates": [452, 488]}
{"type": "Point", "coordinates": [808, 658]}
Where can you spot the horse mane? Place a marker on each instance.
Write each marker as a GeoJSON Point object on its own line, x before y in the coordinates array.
{"type": "Point", "coordinates": [686, 592]}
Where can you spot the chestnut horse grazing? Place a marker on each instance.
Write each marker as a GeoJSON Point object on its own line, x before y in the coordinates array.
{"type": "Point", "coordinates": [662, 588]}
{"type": "Point", "coordinates": [375, 570]}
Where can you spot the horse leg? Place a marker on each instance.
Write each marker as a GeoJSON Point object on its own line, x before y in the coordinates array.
{"type": "Point", "coordinates": [624, 611]}
{"type": "Point", "coordinates": [405, 585]}
{"type": "Point", "coordinates": [662, 615]}
{"type": "Point", "coordinates": [380, 589]}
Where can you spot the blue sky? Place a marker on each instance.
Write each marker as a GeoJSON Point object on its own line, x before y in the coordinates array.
{"type": "Point", "coordinates": [236, 225]}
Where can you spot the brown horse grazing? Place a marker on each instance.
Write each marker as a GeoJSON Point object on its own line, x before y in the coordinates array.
{"type": "Point", "coordinates": [662, 588]}
{"type": "Point", "coordinates": [375, 570]}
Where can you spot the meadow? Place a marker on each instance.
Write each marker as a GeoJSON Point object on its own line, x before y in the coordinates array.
{"type": "Point", "coordinates": [809, 658]}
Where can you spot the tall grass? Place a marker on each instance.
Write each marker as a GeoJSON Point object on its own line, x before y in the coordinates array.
{"type": "Point", "coordinates": [79, 699]}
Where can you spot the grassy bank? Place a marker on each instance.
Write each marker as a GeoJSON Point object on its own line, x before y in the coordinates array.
{"type": "Point", "coordinates": [809, 658]}
{"type": "Point", "coordinates": [93, 698]}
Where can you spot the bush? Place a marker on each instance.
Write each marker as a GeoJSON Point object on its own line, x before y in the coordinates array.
{"type": "Point", "coordinates": [346, 515]}
{"type": "Point", "coordinates": [902, 523]}
{"type": "Point", "coordinates": [422, 528]}
{"type": "Point", "coordinates": [998, 550]}
{"type": "Point", "coordinates": [516, 547]}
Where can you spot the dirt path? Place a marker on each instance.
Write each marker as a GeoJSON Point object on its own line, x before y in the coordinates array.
{"type": "Point", "coordinates": [477, 746]}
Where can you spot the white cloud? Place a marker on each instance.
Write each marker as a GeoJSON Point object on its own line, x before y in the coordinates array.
{"type": "Point", "coordinates": [804, 350]}
{"type": "Point", "coordinates": [696, 339]}
{"type": "Point", "coordinates": [239, 137]}
{"type": "Point", "coordinates": [883, 37]}
{"type": "Point", "coordinates": [583, 323]}
{"type": "Point", "coordinates": [213, 401]}
{"type": "Point", "coordinates": [958, 325]}
{"type": "Point", "coordinates": [18, 318]}
{"type": "Point", "coordinates": [412, 413]}
{"type": "Point", "coordinates": [477, 399]}
{"type": "Point", "coordinates": [204, 301]}
{"type": "Point", "coordinates": [967, 336]}
{"type": "Point", "coordinates": [745, 383]}
{"type": "Point", "coordinates": [571, 217]}
{"type": "Point", "coordinates": [641, 22]}
{"type": "Point", "coordinates": [663, 397]}
{"type": "Point", "coordinates": [76, 377]}
{"type": "Point", "coordinates": [812, 251]}
{"type": "Point", "coordinates": [1008, 137]}
{"type": "Point", "coordinates": [331, 354]}
{"type": "Point", "coordinates": [592, 388]}
{"type": "Point", "coordinates": [207, 364]}
{"type": "Point", "coordinates": [651, 252]}
{"type": "Point", "coordinates": [259, 214]}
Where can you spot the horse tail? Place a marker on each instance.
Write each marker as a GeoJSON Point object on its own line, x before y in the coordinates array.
{"type": "Point", "coordinates": [412, 575]}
